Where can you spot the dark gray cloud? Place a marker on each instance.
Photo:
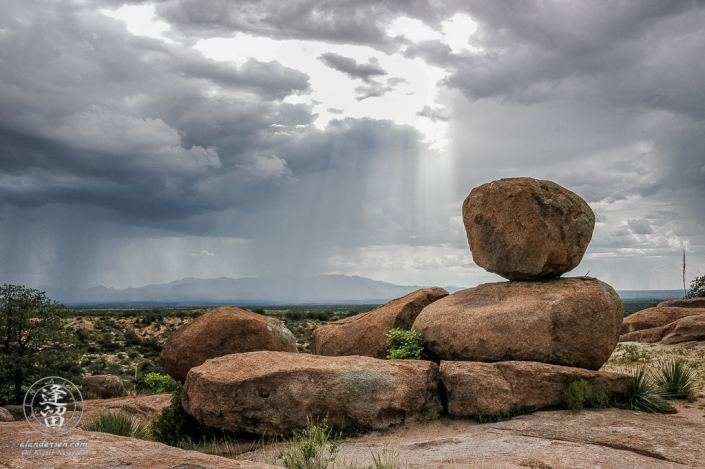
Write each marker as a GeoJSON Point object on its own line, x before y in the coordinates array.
{"type": "Point", "coordinates": [362, 22]}
{"type": "Point", "coordinates": [351, 68]}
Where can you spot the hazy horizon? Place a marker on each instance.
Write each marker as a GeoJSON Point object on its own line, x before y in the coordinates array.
{"type": "Point", "coordinates": [143, 142]}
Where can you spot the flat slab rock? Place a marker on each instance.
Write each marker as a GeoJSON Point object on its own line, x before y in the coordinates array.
{"type": "Point", "coordinates": [527, 229]}
{"type": "Point", "coordinates": [222, 331]}
{"type": "Point", "coordinates": [474, 389]}
{"type": "Point", "coordinates": [105, 451]}
{"type": "Point", "coordinates": [567, 321]}
{"type": "Point", "coordinates": [657, 317]}
{"type": "Point", "coordinates": [366, 334]}
{"type": "Point", "coordinates": [560, 439]}
{"type": "Point", "coordinates": [273, 393]}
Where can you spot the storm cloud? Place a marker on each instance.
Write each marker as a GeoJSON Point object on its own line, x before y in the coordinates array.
{"type": "Point", "coordinates": [127, 159]}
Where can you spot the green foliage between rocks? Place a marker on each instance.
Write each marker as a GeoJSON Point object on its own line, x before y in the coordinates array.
{"type": "Point", "coordinates": [580, 394]}
{"type": "Point", "coordinates": [405, 345]}
{"type": "Point", "coordinates": [175, 427]}
{"type": "Point", "coordinates": [158, 383]}
{"type": "Point", "coordinates": [647, 396]}
{"type": "Point", "coordinates": [310, 449]}
{"type": "Point", "coordinates": [119, 422]}
{"type": "Point", "coordinates": [697, 288]}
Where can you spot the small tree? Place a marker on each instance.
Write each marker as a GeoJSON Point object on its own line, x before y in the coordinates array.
{"type": "Point", "coordinates": [697, 288]}
{"type": "Point", "coordinates": [34, 342]}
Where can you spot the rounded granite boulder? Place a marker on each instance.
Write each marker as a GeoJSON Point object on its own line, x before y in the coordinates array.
{"type": "Point", "coordinates": [571, 322]}
{"type": "Point", "coordinates": [526, 229]}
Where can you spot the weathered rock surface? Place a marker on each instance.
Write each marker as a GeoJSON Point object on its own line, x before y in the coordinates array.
{"type": "Point", "coordinates": [223, 331]}
{"type": "Point", "coordinates": [5, 415]}
{"type": "Point", "coordinates": [104, 451]}
{"type": "Point", "coordinates": [656, 317]}
{"type": "Point", "coordinates": [527, 229]}
{"type": "Point", "coordinates": [571, 322]}
{"type": "Point", "coordinates": [365, 334]}
{"type": "Point", "coordinates": [689, 303]}
{"type": "Point", "coordinates": [690, 328]}
{"type": "Point", "coordinates": [646, 336]}
{"type": "Point", "coordinates": [475, 388]}
{"type": "Point", "coordinates": [104, 386]}
{"type": "Point", "coordinates": [558, 439]}
{"type": "Point", "coordinates": [276, 393]}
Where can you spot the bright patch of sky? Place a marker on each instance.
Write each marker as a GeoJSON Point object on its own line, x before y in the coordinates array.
{"type": "Point", "coordinates": [408, 88]}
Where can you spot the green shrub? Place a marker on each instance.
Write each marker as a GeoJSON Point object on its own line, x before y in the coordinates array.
{"type": "Point", "coordinates": [580, 393]}
{"type": "Point", "coordinates": [645, 395]}
{"type": "Point", "coordinates": [676, 377]}
{"type": "Point", "coordinates": [697, 288]}
{"type": "Point", "coordinates": [158, 383]}
{"type": "Point", "coordinates": [175, 426]}
{"type": "Point", "coordinates": [405, 345]}
{"type": "Point", "coordinates": [119, 422]}
{"type": "Point", "coordinates": [310, 449]}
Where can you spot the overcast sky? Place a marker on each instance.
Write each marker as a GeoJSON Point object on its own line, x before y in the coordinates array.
{"type": "Point", "coordinates": [146, 142]}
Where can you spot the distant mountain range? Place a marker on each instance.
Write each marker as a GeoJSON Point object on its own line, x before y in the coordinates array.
{"type": "Point", "coordinates": [268, 290]}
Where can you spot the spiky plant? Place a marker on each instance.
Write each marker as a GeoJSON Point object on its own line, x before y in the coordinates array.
{"type": "Point", "coordinates": [647, 396]}
{"type": "Point", "coordinates": [676, 377]}
{"type": "Point", "coordinates": [119, 422]}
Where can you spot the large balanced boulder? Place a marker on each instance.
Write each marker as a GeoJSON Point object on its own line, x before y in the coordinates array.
{"type": "Point", "coordinates": [219, 332]}
{"type": "Point", "coordinates": [656, 317]}
{"type": "Point", "coordinates": [477, 389]}
{"type": "Point", "coordinates": [277, 393]}
{"type": "Point", "coordinates": [366, 334]}
{"type": "Point", "coordinates": [689, 303]}
{"type": "Point", "coordinates": [526, 229]}
{"type": "Point", "coordinates": [571, 322]}
{"type": "Point", "coordinates": [104, 386]}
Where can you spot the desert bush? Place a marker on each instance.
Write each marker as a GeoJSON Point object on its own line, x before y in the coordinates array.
{"type": "Point", "coordinates": [580, 393]}
{"type": "Point", "coordinates": [405, 345]}
{"type": "Point", "coordinates": [697, 288]}
{"type": "Point", "coordinates": [175, 426]}
{"type": "Point", "coordinates": [310, 449]}
{"type": "Point", "coordinates": [158, 383]}
{"type": "Point", "coordinates": [646, 396]}
{"type": "Point", "coordinates": [677, 378]}
{"type": "Point", "coordinates": [119, 422]}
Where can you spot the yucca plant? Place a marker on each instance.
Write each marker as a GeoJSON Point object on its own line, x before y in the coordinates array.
{"type": "Point", "coordinates": [676, 377]}
{"type": "Point", "coordinates": [647, 396]}
{"type": "Point", "coordinates": [310, 449]}
{"type": "Point", "coordinates": [119, 422]}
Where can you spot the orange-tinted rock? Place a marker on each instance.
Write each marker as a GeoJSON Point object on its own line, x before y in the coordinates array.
{"type": "Point", "coordinates": [690, 328]}
{"type": "Point", "coordinates": [689, 303]}
{"type": "Point", "coordinates": [475, 388]}
{"type": "Point", "coordinates": [646, 336]}
{"type": "Point", "coordinates": [277, 393]}
{"type": "Point", "coordinates": [102, 451]}
{"type": "Point", "coordinates": [366, 334]}
{"type": "Point", "coordinates": [104, 386]}
{"type": "Point", "coordinates": [527, 229]}
{"type": "Point", "coordinates": [656, 317]}
{"type": "Point", "coordinates": [219, 332]}
{"type": "Point", "coordinates": [571, 322]}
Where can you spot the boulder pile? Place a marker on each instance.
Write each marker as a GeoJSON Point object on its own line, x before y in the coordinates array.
{"type": "Point", "coordinates": [530, 232]}
{"type": "Point", "coordinates": [497, 348]}
{"type": "Point", "coordinates": [670, 322]}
